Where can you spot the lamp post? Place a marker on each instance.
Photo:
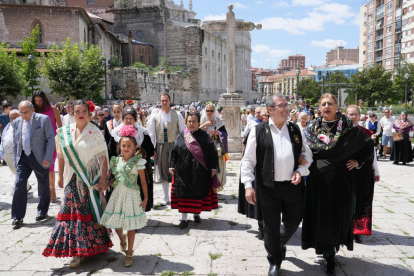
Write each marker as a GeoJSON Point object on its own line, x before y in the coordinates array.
{"type": "Point", "coordinates": [406, 77]}
{"type": "Point", "coordinates": [106, 88]}
{"type": "Point", "coordinates": [297, 83]}
{"type": "Point", "coordinates": [31, 59]}
{"type": "Point", "coordinates": [323, 78]}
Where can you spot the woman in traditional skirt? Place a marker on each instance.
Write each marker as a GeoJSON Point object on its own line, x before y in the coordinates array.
{"type": "Point", "coordinates": [125, 211]}
{"type": "Point", "coordinates": [194, 166]}
{"type": "Point", "coordinates": [83, 167]}
{"type": "Point", "coordinates": [213, 125]}
{"type": "Point", "coordinates": [401, 151]}
{"type": "Point", "coordinates": [145, 147]}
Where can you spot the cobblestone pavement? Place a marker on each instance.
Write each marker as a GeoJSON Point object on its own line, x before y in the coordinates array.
{"type": "Point", "coordinates": [223, 244]}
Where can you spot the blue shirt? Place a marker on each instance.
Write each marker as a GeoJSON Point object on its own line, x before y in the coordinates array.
{"type": "Point", "coordinates": [4, 120]}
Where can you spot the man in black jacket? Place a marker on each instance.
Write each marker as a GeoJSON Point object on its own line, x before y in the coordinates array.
{"type": "Point", "coordinates": [274, 149]}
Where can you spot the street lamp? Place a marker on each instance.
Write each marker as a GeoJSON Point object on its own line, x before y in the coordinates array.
{"type": "Point", "coordinates": [297, 83]}
{"type": "Point", "coordinates": [323, 78]}
{"type": "Point", "coordinates": [31, 59]}
{"type": "Point", "coordinates": [406, 77]}
{"type": "Point", "coordinates": [106, 88]}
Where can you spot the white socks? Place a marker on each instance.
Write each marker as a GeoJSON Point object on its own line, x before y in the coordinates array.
{"type": "Point", "coordinates": [184, 216]}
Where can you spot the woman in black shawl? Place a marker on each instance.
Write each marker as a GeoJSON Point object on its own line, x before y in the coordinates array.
{"type": "Point", "coordinates": [338, 147]}
{"type": "Point", "coordinates": [194, 164]}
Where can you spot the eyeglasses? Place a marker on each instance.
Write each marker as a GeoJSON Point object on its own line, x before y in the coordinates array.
{"type": "Point", "coordinates": [100, 115]}
{"type": "Point", "coordinates": [209, 110]}
{"type": "Point", "coordinates": [327, 104]}
{"type": "Point", "coordinates": [353, 115]}
{"type": "Point", "coordinates": [24, 112]}
{"type": "Point", "coordinates": [265, 116]}
{"type": "Point", "coordinates": [281, 106]}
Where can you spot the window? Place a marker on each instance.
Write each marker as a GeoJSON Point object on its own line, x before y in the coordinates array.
{"type": "Point", "coordinates": [388, 52]}
{"type": "Point", "coordinates": [224, 57]}
{"type": "Point", "coordinates": [206, 65]}
{"type": "Point", "coordinates": [410, 8]}
{"type": "Point", "coordinates": [219, 69]}
{"type": "Point", "coordinates": [408, 55]}
{"type": "Point", "coordinates": [218, 55]}
{"type": "Point", "coordinates": [389, 29]}
{"type": "Point", "coordinates": [389, 18]}
{"type": "Point", "coordinates": [369, 47]}
{"type": "Point", "coordinates": [90, 2]}
{"type": "Point", "coordinates": [409, 32]}
{"type": "Point", "coordinates": [389, 6]}
{"type": "Point", "coordinates": [141, 59]}
{"type": "Point", "coordinates": [370, 37]}
{"type": "Point", "coordinates": [388, 41]}
{"type": "Point", "coordinates": [40, 37]}
{"type": "Point", "coordinates": [205, 50]}
{"type": "Point", "coordinates": [212, 53]}
{"type": "Point", "coordinates": [371, 27]}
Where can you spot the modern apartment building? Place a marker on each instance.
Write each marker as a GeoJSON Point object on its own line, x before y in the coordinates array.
{"type": "Point", "coordinates": [292, 63]}
{"type": "Point", "coordinates": [340, 53]}
{"type": "Point", "coordinates": [381, 33]}
{"type": "Point", "coordinates": [407, 42]}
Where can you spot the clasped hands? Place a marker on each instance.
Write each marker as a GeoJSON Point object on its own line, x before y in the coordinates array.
{"type": "Point", "coordinates": [251, 194]}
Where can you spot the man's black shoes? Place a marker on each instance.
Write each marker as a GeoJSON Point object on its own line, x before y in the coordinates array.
{"type": "Point", "coordinates": [17, 223]}
{"type": "Point", "coordinates": [274, 270]}
{"type": "Point", "coordinates": [358, 238]}
{"type": "Point", "coordinates": [330, 266]}
{"type": "Point", "coordinates": [41, 217]}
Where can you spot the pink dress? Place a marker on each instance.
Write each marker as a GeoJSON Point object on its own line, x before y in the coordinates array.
{"type": "Point", "coordinates": [49, 112]}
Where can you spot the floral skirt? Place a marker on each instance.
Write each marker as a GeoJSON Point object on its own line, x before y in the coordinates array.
{"type": "Point", "coordinates": [195, 206]}
{"type": "Point", "coordinates": [123, 210]}
{"type": "Point", "coordinates": [75, 233]}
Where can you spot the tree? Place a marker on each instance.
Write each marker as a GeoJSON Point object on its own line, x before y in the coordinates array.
{"type": "Point", "coordinates": [373, 84]}
{"type": "Point", "coordinates": [310, 90]}
{"type": "Point", "coordinates": [11, 79]}
{"type": "Point", "coordinates": [400, 82]}
{"type": "Point", "coordinates": [336, 77]}
{"type": "Point", "coordinates": [29, 69]}
{"type": "Point", "coordinates": [73, 72]}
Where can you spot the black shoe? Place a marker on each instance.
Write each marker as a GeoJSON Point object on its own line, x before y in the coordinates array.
{"type": "Point", "coordinates": [183, 224]}
{"type": "Point", "coordinates": [17, 223]}
{"type": "Point", "coordinates": [404, 163]}
{"type": "Point", "coordinates": [358, 238]}
{"type": "Point", "coordinates": [284, 252]}
{"type": "Point", "coordinates": [330, 266]}
{"type": "Point", "coordinates": [274, 270]}
{"type": "Point", "coordinates": [41, 217]}
{"type": "Point", "coordinates": [260, 236]}
{"type": "Point", "coordinates": [4, 163]}
{"type": "Point", "coordinates": [197, 219]}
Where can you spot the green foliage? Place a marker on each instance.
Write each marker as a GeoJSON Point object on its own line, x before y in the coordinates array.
{"type": "Point", "coordinates": [309, 89]}
{"type": "Point", "coordinates": [400, 82]}
{"type": "Point", "coordinates": [373, 84]}
{"type": "Point", "coordinates": [75, 70]}
{"type": "Point", "coordinates": [336, 77]}
{"type": "Point", "coordinates": [115, 61]}
{"type": "Point", "coordinates": [29, 69]}
{"type": "Point", "coordinates": [214, 256]}
{"type": "Point", "coordinates": [11, 79]}
{"type": "Point", "coordinates": [165, 65]}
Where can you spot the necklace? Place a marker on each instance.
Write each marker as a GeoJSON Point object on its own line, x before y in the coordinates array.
{"type": "Point", "coordinates": [328, 130]}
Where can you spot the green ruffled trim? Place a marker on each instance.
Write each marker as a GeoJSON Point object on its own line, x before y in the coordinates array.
{"type": "Point", "coordinates": [120, 213]}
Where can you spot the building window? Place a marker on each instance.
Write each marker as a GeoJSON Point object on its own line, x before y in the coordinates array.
{"type": "Point", "coordinates": [212, 53]}
{"type": "Point", "coordinates": [389, 6]}
{"type": "Point", "coordinates": [219, 69]}
{"type": "Point", "coordinates": [139, 35]}
{"type": "Point", "coordinates": [141, 59]}
{"type": "Point", "coordinates": [40, 37]}
{"type": "Point", "coordinates": [206, 65]}
{"type": "Point", "coordinates": [224, 57]}
{"type": "Point", "coordinates": [205, 50]}
{"type": "Point", "coordinates": [218, 55]}
{"type": "Point", "coordinates": [90, 2]}
{"type": "Point", "coordinates": [408, 55]}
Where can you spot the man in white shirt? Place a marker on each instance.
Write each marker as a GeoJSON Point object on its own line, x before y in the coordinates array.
{"type": "Point", "coordinates": [251, 115]}
{"type": "Point", "coordinates": [6, 145]}
{"type": "Point", "coordinates": [274, 149]}
{"type": "Point", "coordinates": [386, 124]}
{"type": "Point", "coordinates": [252, 123]}
{"type": "Point", "coordinates": [163, 127]}
{"type": "Point", "coordinates": [68, 118]}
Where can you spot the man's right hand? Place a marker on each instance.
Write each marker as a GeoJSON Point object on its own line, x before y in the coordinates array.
{"type": "Point", "coordinates": [154, 156]}
{"type": "Point", "coordinates": [250, 195]}
{"type": "Point", "coordinates": [60, 182]}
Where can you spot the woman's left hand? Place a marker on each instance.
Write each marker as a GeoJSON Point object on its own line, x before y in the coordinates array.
{"type": "Point", "coordinates": [103, 186]}
{"type": "Point", "coordinates": [213, 172]}
{"type": "Point", "coordinates": [351, 164]}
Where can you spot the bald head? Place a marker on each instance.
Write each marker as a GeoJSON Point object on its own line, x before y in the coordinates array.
{"type": "Point", "coordinates": [25, 104]}
{"type": "Point", "coordinates": [26, 110]}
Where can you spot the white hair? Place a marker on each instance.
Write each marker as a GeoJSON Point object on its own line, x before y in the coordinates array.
{"type": "Point", "coordinates": [14, 111]}
{"type": "Point", "coordinates": [26, 104]}
{"type": "Point", "coordinates": [302, 114]}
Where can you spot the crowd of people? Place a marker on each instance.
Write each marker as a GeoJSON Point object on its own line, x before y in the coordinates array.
{"type": "Point", "coordinates": [315, 166]}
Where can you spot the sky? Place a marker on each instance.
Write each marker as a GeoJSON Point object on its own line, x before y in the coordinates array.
{"type": "Point", "coordinates": [308, 27]}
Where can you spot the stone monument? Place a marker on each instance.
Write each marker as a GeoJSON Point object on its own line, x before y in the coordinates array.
{"type": "Point", "coordinates": [231, 101]}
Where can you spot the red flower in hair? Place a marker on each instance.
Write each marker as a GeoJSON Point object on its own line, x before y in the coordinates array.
{"type": "Point", "coordinates": [91, 106]}
{"type": "Point", "coordinates": [129, 102]}
{"type": "Point", "coordinates": [128, 131]}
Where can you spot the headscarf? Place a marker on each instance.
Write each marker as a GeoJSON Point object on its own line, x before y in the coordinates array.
{"type": "Point", "coordinates": [216, 117]}
{"type": "Point", "coordinates": [129, 110]}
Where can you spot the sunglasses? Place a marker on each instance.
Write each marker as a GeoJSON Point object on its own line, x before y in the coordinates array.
{"type": "Point", "coordinates": [209, 110]}
{"type": "Point", "coordinates": [100, 115]}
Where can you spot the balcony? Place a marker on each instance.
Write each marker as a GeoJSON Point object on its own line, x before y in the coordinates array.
{"type": "Point", "coordinates": [379, 37]}
{"type": "Point", "coordinates": [378, 48]}
{"type": "Point", "coordinates": [378, 27]}
{"type": "Point", "coordinates": [378, 59]}
{"type": "Point", "coordinates": [379, 15]}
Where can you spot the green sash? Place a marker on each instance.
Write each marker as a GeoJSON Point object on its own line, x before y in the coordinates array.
{"type": "Point", "coordinates": [81, 172]}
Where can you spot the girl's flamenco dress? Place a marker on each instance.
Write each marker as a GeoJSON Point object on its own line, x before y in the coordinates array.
{"type": "Point", "coordinates": [123, 209]}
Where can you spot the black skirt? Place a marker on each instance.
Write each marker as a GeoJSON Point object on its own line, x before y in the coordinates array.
{"type": "Point", "coordinates": [402, 150]}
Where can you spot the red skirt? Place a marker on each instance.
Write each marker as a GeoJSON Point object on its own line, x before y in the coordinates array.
{"type": "Point", "coordinates": [195, 206]}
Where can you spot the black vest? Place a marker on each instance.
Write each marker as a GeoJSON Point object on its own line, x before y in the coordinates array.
{"type": "Point", "coordinates": [264, 152]}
